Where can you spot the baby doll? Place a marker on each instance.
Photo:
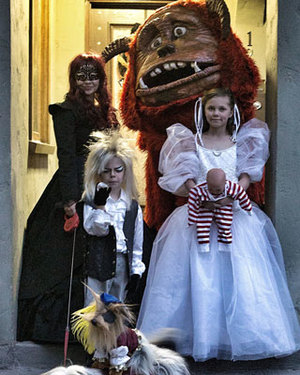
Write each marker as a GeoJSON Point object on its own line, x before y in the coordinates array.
{"type": "Point", "coordinates": [215, 189]}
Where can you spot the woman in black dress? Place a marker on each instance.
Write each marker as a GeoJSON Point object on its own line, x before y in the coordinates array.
{"type": "Point", "coordinates": [47, 249]}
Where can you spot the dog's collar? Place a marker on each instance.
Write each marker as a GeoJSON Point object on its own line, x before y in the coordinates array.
{"type": "Point", "coordinates": [139, 337]}
{"type": "Point", "coordinates": [100, 355]}
{"type": "Point", "coordinates": [102, 358]}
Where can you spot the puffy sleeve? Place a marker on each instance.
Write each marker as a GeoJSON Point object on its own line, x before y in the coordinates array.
{"type": "Point", "coordinates": [96, 221]}
{"type": "Point", "coordinates": [178, 160]}
{"type": "Point", "coordinates": [64, 127]}
{"type": "Point", "coordinates": [253, 149]}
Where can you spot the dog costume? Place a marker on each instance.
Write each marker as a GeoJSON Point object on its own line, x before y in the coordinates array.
{"type": "Point", "coordinates": [103, 329]}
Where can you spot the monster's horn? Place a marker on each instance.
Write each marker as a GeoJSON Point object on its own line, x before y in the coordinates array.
{"type": "Point", "coordinates": [219, 7]}
{"type": "Point", "coordinates": [115, 48]}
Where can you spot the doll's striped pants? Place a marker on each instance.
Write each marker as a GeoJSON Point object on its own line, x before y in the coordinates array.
{"type": "Point", "coordinates": [223, 219]}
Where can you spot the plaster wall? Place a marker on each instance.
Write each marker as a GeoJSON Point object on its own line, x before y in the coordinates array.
{"type": "Point", "coordinates": [271, 102]}
{"type": "Point", "coordinates": [232, 7]}
{"type": "Point", "coordinates": [247, 21]}
{"type": "Point", "coordinates": [67, 39]}
{"type": "Point", "coordinates": [258, 40]}
{"type": "Point", "coordinates": [19, 135]}
{"type": "Point", "coordinates": [6, 255]}
{"type": "Point", "coordinates": [24, 175]}
{"type": "Point", "coordinates": [283, 82]}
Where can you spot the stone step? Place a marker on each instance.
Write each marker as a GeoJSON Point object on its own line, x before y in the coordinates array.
{"type": "Point", "coordinates": [28, 358]}
{"type": "Point", "coordinates": [27, 354]}
{"type": "Point", "coordinates": [284, 365]}
{"type": "Point", "coordinates": [51, 355]}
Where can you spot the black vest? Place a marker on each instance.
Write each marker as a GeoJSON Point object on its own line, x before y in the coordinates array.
{"type": "Point", "coordinates": [102, 251]}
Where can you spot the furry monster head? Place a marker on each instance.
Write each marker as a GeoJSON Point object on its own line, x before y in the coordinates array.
{"type": "Point", "coordinates": [181, 50]}
{"type": "Point", "coordinates": [98, 325]}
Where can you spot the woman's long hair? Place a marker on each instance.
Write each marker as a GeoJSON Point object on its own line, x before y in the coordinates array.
{"type": "Point", "coordinates": [217, 92]}
{"type": "Point", "coordinates": [102, 115]}
{"type": "Point", "coordinates": [110, 144]}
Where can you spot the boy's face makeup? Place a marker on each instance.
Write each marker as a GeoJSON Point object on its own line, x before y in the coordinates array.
{"type": "Point", "coordinates": [87, 79]}
{"type": "Point", "coordinates": [218, 111]}
{"type": "Point", "coordinates": [113, 174]}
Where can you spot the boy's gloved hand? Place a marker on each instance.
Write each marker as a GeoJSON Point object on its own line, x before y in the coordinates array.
{"type": "Point", "coordinates": [101, 194]}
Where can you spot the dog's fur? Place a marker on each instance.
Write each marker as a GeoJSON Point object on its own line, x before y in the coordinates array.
{"type": "Point", "coordinates": [98, 327]}
{"type": "Point", "coordinates": [72, 370]}
{"type": "Point", "coordinates": [152, 359]}
{"type": "Point", "coordinates": [91, 329]}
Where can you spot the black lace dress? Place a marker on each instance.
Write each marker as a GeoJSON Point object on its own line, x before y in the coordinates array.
{"type": "Point", "coordinates": [47, 249]}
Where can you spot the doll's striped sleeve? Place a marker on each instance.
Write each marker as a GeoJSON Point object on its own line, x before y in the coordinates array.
{"type": "Point", "coordinates": [193, 205]}
{"type": "Point", "coordinates": [236, 191]}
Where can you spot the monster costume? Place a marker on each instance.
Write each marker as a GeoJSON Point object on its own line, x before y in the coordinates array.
{"type": "Point", "coordinates": [181, 50]}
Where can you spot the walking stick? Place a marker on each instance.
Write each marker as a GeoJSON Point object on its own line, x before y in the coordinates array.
{"type": "Point", "coordinates": [71, 225]}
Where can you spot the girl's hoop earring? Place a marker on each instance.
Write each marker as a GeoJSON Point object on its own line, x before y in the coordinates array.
{"type": "Point", "coordinates": [236, 122]}
{"type": "Point", "coordinates": [198, 118]}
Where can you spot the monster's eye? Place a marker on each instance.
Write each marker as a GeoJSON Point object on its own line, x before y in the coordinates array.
{"type": "Point", "coordinates": [156, 43]}
{"type": "Point", "coordinates": [179, 31]}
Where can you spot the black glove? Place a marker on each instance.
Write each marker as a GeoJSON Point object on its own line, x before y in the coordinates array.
{"type": "Point", "coordinates": [132, 286]}
{"type": "Point", "coordinates": [101, 194]}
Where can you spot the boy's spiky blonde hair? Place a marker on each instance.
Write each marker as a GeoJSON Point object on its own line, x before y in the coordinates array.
{"type": "Point", "coordinates": [109, 145]}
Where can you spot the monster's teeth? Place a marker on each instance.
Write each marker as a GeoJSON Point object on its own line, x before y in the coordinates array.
{"type": "Point", "coordinates": [196, 67]}
{"type": "Point", "coordinates": [142, 84]}
{"type": "Point", "coordinates": [167, 66]}
{"type": "Point", "coordinates": [153, 74]}
{"type": "Point", "coordinates": [181, 64]}
{"type": "Point", "coordinates": [173, 65]}
{"type": "Point", "coordinates": [158, 70]}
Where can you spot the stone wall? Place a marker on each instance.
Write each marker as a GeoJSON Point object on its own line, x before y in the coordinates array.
{"type": "Point", "coordinates": [283, 178]}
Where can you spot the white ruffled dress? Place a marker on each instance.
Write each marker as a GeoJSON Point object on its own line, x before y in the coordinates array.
{"type": "Point", "coordinates": [229, 305]}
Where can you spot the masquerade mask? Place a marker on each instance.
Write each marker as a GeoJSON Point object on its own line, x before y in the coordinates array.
{"type": "Point", "coordinates": [87, 72]}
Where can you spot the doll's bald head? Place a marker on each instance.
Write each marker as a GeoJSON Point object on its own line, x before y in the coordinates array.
{"type": "Point", "coordinates": [216, 179]}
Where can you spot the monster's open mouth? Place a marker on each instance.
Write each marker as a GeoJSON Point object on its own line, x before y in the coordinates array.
{"type": "Point", "coordinates": [174, 73]}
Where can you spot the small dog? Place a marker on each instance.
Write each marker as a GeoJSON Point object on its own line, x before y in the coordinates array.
{"type": "Point", "coordinates": [103, 330]}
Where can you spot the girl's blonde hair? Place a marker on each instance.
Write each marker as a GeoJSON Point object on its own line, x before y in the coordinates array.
{"type": "Point", "coordinates": [109, 145]}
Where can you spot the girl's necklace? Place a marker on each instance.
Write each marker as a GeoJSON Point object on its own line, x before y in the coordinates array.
{"type": "Point", "coordinates": [217, 153]}
{"type": "Point", "coordinates": [217, 148]}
